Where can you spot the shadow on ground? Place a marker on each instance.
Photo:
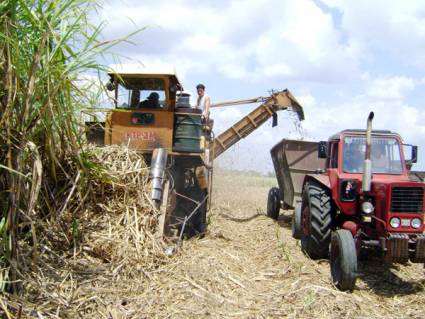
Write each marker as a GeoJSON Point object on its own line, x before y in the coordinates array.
{"type": "Point", "coordinates": [285, 219]}
{"type": "Point", "coordinates": [382, 278]}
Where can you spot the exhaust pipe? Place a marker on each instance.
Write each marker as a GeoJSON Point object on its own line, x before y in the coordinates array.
{"type": "Point", "coordinates": [157, 174]}
{"type": "Point", "coordinates": [367, 167]}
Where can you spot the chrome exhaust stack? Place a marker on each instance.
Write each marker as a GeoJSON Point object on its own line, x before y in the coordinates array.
{"type": "Point", "coordinates": [367, 167]}
{"type": "Point", "coordinates": [157, 174]}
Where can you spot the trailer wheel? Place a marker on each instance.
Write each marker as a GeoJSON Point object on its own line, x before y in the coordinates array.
{"type": "Point", "coordinates": [316, 219]}
{"type": "Point", "coordinates": [273, 203]}
{"type": "Point", "coordinates": [343, 260]}
{"type": "Point", "coordinates": [297, 228]}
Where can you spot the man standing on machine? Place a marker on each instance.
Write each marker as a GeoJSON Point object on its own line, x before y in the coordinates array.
{"type": "Point", "coordinates": [203, 103]}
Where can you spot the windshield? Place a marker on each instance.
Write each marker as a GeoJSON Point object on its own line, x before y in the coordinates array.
{"type": "Point", "coordinates": [142, 93]}
{"type": "Point", "coordinates": [385, 155]}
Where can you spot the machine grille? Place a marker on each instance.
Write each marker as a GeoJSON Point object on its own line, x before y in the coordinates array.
{"type": "Point", "coordinates": [407, 199]}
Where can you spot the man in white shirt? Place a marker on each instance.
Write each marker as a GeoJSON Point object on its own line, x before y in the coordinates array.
{"type": "Point", "coordinates": [203, 102]}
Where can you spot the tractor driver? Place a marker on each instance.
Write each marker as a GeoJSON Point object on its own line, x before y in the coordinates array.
{"type": "Point", "coordinates": [152, 101]}
{"type": "Point", "coordinates": [379, 159]}
{"type": "Point", "coordinates": [353, 158]}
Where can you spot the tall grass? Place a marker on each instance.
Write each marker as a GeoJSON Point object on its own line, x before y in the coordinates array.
{"type": "Point", "coordinates": [44, 46]}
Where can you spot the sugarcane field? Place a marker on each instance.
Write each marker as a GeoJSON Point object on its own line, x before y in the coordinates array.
{"type": "Point", "coordinates": [215, 159]}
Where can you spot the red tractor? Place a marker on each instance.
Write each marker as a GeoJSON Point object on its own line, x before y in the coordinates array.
{"type": "Point", "coordinates": [356, 194]}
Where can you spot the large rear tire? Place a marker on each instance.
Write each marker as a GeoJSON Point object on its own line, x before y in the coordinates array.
{"type": "Point", "coordinates": [297, 228]}
{"type": "Point", "coordinates": [343, 260]}
{"type": "Point", "coordinates": [273, 203]}
{"type": "Point", "coordinates": [316, 215]}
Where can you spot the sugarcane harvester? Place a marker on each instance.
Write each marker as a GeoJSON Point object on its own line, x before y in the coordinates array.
{"type": "Point", "coordinates": [351, 194]}
{"type": "Point", "coordinates": [152, 114]}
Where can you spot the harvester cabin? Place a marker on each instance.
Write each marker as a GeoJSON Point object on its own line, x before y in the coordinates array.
{"type": "Point", "coordinates": [143, 117]}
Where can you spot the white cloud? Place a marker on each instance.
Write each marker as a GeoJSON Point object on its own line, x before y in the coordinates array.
{"type": "Point", "coordinates": [390, 87]}
{"type": "Point", "coordinates": [392, 27]}
{"type": "Point", "coordinates": [278, 69]}
{"type": "Point", "coordinates": [246, 39]}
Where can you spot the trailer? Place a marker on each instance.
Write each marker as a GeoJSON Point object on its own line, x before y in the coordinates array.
{"type": "Point", "coordinates": [292, 160]}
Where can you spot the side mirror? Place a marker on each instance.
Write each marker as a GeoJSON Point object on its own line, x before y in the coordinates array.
{"type": "Point", "coordinates": [274, 123]}
{"type": "Point", "coordinates": [110, 86]}
{"type": "Point", "coordinates": [413, 153]}
{"type": "Point", "coordinates": [322, 149]}
{"type": "Point", "coordinates": [414, 158]}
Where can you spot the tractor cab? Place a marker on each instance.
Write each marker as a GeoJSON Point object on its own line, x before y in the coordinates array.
{"type": "Point", "coordinates": [346, 152]}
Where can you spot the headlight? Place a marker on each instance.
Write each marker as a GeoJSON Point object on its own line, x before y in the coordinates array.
{"type": "Point", "coordinates": [367, 207]}
{"type": "Point", "coordinates": [395, 222]}
{"type": "Point", "coordinates": [416, 223]}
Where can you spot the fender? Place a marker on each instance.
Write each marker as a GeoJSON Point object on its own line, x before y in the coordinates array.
{"type": "Point", "coordinates": [319, 178]}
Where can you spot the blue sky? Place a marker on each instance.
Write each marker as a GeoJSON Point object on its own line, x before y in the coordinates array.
{"type": "Point", "coordinates": [341, 59]}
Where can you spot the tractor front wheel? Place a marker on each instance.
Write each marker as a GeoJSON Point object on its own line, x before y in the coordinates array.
{"type": "Point", "coordinates": [316, 219]}
{"type": "Point", "coordinates": [343, 260]}
{"type": "Point", "coordinates": [273, 203]}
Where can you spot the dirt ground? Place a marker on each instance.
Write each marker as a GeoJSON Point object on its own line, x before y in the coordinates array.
{"type": "Point", "coordinates": [246, 266]}
{"type": "Point", "coordinates": [249, 266]}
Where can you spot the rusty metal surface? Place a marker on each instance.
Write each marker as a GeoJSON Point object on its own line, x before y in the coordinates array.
{"type": "Point", "coordinates": [398, 248]}
{"type": "Point", "coordinates": [417, 176]}
{"type": "Point", "coordinates": [419, 256]}
{"type": "Point", "coordinates": [292, 160]}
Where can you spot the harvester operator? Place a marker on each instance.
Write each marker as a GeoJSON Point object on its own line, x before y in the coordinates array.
{"type": "Point", "coordinates": [152, 101]}
{"type": "Point", "coordinates": [203, 103]}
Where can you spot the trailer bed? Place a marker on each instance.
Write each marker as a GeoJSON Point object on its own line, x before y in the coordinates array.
{"type": "Point", "coordinates": [292, 160]}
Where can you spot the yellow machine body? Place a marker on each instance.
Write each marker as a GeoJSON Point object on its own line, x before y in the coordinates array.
{"type": "Point", "coordinates": [129, 125]}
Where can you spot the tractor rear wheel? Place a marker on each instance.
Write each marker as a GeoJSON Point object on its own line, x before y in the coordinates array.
{"type": "Point", "coordinates": [343, 260]}
{"type": "Point", "coordinates": [273, 203]}
{"type": "Point", "coordinates": [297, 227]}
{"type": "Point", "coordinates": [316, 219]}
